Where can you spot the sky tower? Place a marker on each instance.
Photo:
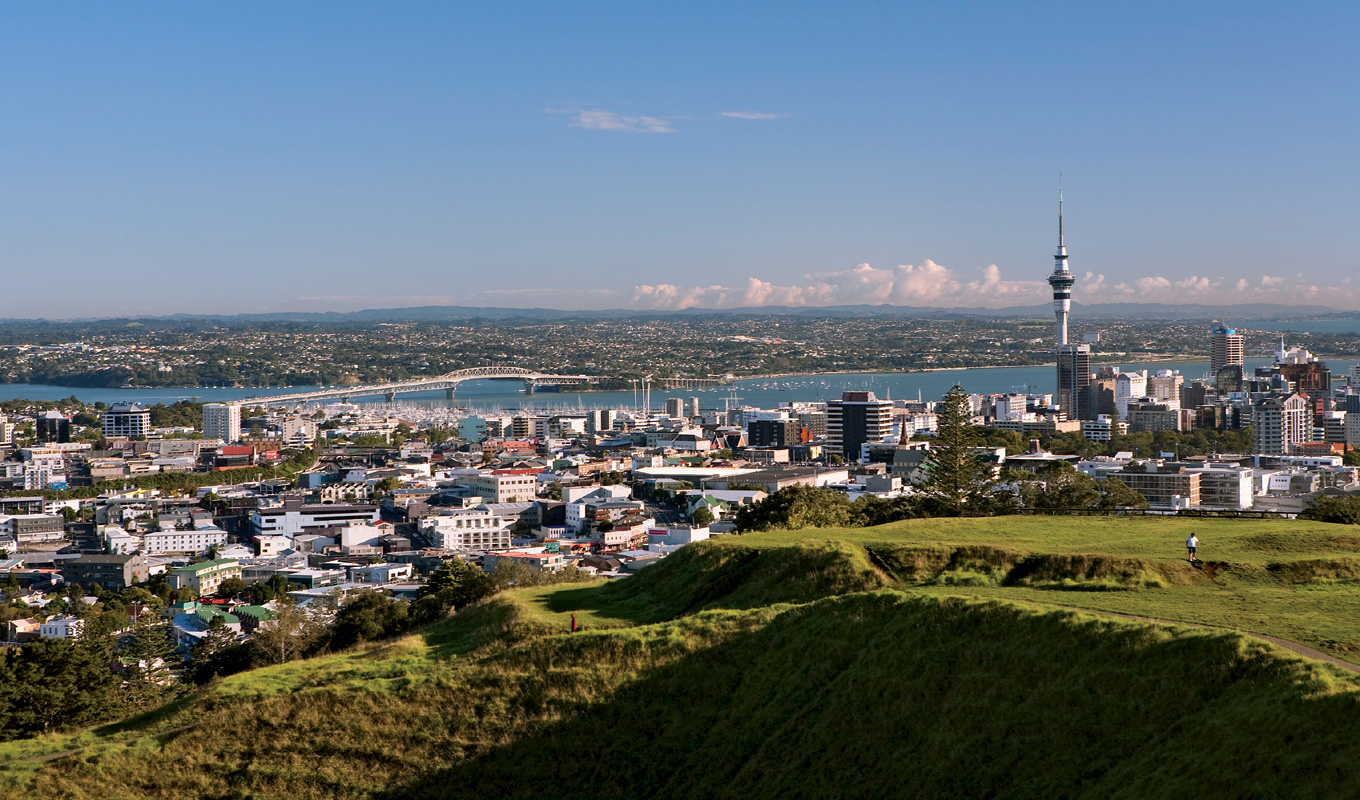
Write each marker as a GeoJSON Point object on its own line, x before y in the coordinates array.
{"type": "Point", "coordinates": [1074, 360]}
{"type": "Point", "coordinates": [1061, 280]}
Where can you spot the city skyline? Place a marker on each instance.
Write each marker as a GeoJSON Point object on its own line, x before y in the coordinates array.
{"type": "Point", "coordinates": [340, 157]}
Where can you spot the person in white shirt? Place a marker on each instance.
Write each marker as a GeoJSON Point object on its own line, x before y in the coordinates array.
{"type": "Point", "coordinates": [1191, 544]}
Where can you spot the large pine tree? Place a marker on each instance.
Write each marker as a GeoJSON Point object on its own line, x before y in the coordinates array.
{"type": "Point", "coordinates": [955, 473]}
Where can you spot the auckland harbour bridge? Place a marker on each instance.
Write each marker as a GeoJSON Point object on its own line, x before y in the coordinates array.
{"type": "Point", "coordinates": [449, 382]}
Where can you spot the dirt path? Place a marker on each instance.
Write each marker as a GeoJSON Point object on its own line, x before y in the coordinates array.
{"type": "Point", "coordinates": [1301, 649]}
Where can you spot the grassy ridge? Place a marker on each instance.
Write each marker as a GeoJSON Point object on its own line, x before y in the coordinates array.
{"type": "Point", "coordinates": [848, 665]}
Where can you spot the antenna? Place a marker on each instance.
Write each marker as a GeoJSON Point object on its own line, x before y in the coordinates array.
{"type": "Point", "coordinates": [1060, 210]}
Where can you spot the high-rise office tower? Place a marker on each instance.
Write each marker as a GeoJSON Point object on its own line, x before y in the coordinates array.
{"type": "Point", "coordinates": [1225, 349]}
{"type": "Point", "coordinates": [1074, 360]}
{"type": "Point", "coordinates": [222, 421]}
{"type": "Point", "coordinates": [1074, 381]}
{"type": "Point", "coordinates": [856, 418]}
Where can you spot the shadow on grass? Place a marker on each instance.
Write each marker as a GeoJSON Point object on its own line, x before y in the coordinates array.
{"type": "Point", "coordinates": [877, 696]}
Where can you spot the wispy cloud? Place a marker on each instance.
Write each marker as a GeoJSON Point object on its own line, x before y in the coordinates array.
{"type": "Point", "coordinates": [753, 115]}
{"type": "Point", "coordinates": [601, 120]}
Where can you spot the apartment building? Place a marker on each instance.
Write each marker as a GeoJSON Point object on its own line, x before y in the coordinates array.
{"type": "Point", "coordinates": [204, 578]}
{"type": "Point", "coordinates": [505, 486]}
{"type": "Point", "coordinates": [466, 529]}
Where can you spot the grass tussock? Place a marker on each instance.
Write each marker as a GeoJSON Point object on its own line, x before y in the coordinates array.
{"type": "Point", "coordinates": [1319, 571]}
{"type": "Point", "coordinates": [1085, 572]}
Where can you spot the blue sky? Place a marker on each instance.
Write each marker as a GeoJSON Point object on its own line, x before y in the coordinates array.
{"type": "Point", "coordinates": [160, 158]}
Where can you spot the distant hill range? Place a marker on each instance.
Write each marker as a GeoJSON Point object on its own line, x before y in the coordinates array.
{"type": "Point", "coordinates": [1112, 311]}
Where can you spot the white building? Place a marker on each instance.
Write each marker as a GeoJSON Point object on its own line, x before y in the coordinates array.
{"type": "Point", "coordinates": [361, 537]}
{"type": "Point", "coordinates": [290, 517]}
{"type": "Point", "coordinates": [466, 529]}
{"type": "Point", "coordinates": [272, 544]}
{"type": "Point", "coordinates": [298, 431]}
{"type": "Point", "coordinates": [1010, 406]}
{"type": "Point", "coordinates": [1225, 486]}
{"type": "Point", "coordinates": [1128, 386]}
{"type": "Point", "coordinates": [1103, 428]}
{"type": "Point", "coordinates": [517, 487]}
{"type": "Point", "coordinates": [119, 542]}
{"type": "Point", "coordinates": [1279, 423]}
{"type": "Point", "coordinates": [63, 627]}
{"type": "Point", "coordinates": [222, 421]}
{"type": "Point", "coordinates": [193, 542]}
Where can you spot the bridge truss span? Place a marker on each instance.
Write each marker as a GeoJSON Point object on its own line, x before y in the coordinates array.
{"type": "Point", "coordinates": [447, 382]}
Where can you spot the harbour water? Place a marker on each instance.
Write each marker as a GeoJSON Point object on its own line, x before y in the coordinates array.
{"type": "Point", "coordinates": [498, 394]}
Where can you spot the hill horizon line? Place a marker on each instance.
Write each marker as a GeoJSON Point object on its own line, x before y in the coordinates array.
{"type": "Point", "coordinates": [436, 313]}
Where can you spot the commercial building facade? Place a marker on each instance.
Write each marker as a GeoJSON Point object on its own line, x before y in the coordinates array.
{"type": "Point", "coordinates": [127, 420]}
{"type": "Point", "coordinates": [856, 418]}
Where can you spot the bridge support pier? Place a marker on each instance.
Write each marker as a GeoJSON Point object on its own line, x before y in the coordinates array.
{"type": "Point", "coordinates": [449, 392]}
{"type": "Point", "coordinates": [389, 396]}
{"type": "Point", "coordinates": [529, 387]}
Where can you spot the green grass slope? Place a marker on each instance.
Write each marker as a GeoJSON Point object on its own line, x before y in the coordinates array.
{"type": "Point", "coordinates": [906, 660]}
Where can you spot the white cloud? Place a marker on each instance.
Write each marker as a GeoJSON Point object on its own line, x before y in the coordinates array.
{"type": "Point", "coordinates": [752, 115]}
{"type": "Point", "coordinates": [932, 284]}
{"type": "Point", "coordinates": [601, 120]}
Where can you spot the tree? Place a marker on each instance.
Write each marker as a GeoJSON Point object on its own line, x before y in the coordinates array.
{"type": "Point", "coordinates": [955, 472]}
{"type": "Point", "coordinates": [150, 659]}
{"type": "Point", "coordinates": [231, 587]}
{"type": "Point", "coordinates": [218, 653]}
{"type": "Point", "coordinates": [1058, 486]}
{"type": "Point", "coordinates": [51, 684]}
{"type": "Point", "coordinates": [293, 633]}
{"type": "Point", "coordinates": [1114, 493]}
{"type": "Point", "coordinates": [1340, 509]}
{"type": "Point", "coordinates": [796, 507]}
{"type": "Point", "coordinates": [702, 516]}
{"type": "Point", "coordinates": [388, 484]}
{"type": "Point", "coordinates": [455, 584]}
{"type": "Point", "coordinates": [368, 616]}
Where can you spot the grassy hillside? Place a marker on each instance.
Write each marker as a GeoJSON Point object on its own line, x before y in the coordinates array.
{"type": "Point", "coordinates": [907, 660]}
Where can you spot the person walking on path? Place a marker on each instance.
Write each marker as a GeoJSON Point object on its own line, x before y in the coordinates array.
{"type": "Point", "coordinates": [1192, 544]}
{"type": "Point", "coordinates": [573, 623]}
